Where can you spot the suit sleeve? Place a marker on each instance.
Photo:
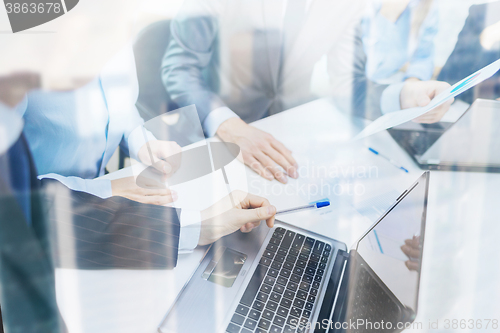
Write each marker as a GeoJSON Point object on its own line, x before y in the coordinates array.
{"type": "Point", "coordinates": [27, 281]}
{"type": "Point", "coordinates": [352, 90]}
{"type": "Point", "coordinates": [191, 50]}
{"type": "Point", "coordinates": [466, 56]}
{"type": "Point", "coordinates": [462, 60]}
{"type": "Point", "coordinates": [93, 233]}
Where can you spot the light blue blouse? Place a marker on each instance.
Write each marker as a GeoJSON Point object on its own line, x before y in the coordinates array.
{"type": "Point", "coordinates": [73, 134]}
{"type": "Point", "coordinates": [388, 46]}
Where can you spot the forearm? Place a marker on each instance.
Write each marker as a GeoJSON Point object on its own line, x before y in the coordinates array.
{"type": "Point", "coordinates": [136, 139]}
{"type": "Point", "coordinates": [190, 231]}
{"type": "Point", "coordinates": [95, 233]}
{"type": "Point", "coordinates": [189, 53]}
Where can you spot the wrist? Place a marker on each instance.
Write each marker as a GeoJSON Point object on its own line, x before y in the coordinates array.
{"type": "Point", "coordinates": [214, 224]}
{"type": "Point", "coordinates": [226, 129]}
{"type": "Point", "coordinates": [114, 190]}
{"type": "Point", "coordinates": [405, 94]}
{"type": "Point", "coordinates": [205, 214]}
{"type": "Point", "coordinates": [207, 235]}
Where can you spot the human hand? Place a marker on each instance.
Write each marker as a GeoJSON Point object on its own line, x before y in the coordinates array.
{"type": "Point", "coordinates": [166, 155]}
{"type": "Point", "coordinates": [412, 249]}
{"type": "Point", "coordinates": [260, 150]}
{"type": "Point", "coordinates": [150, 191]}
{"type": "Point", "coordinates": [420, 93]}
{"type": "Point", "coordinates": [222, 218]}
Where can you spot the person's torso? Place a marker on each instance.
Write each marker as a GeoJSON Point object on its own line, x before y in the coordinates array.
{"type": "Point", "coordinates": [67, 131]}
{"type": "Point", "coordinates": [253, 67]}
{"type": "Point", "coordinates": [75, 133]}
{"type": "Point", "coordinates": [386, 45]}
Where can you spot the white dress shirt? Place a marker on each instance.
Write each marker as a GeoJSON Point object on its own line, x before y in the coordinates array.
{"type": "Point", "coordinates": [389, 101]}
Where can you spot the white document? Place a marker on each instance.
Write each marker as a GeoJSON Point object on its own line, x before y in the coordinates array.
{"type": "Point", "coordinates": [399, 117]}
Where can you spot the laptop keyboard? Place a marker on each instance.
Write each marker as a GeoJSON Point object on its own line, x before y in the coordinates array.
{"type": "Point", "coordinates": [284, 287]}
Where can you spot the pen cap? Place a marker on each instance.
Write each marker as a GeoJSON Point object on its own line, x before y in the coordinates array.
{"type": "Point", "coordinates": [322, 204]}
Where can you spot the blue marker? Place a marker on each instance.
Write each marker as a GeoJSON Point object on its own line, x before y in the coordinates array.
{"type": "Point", "coordinates": [310, 206]}
{"type": "Point", "coordinates": [388, 159]}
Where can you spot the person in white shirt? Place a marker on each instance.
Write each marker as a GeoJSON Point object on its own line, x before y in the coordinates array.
{"type": "Point", "coordinates": [261, 56]}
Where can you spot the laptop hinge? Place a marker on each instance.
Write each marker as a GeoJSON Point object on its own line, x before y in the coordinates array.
{"type": "Point", "coordinates": [332, 292]}
{"type": "Point", "coordinates": [339, 310]}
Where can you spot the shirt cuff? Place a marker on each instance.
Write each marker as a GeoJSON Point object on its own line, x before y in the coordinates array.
{"type": "Point", "coordinates": [390, 100]}
{"type": "Point", "coordinates": [98, 187]}
{"type": "Point", "coordinates": [137, 139]}
{"type": "Point", "coordinates": [190, 231]}
{"type": "Point", "coordinates": [215, 118]}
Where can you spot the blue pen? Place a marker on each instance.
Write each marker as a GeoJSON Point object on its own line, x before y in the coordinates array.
{"type": "Point", "coordinates": [310, 206]}
{"type": "Point", "coordinates": [388, 159]}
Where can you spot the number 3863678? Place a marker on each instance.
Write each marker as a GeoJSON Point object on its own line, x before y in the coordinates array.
{"type": "Point", "coordinates": [24, 8]}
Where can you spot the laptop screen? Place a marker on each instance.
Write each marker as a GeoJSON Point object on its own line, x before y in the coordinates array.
{"type": "Point", "coordinates": [385, 270]}
{"type": "Point", "coordinates": [472, 141]}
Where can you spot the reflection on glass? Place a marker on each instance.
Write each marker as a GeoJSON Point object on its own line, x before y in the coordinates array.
{"type": "Point", "coordinates": [385, 272]}
{"type": "Point", "coordinates": [228, 268]}
{"type": "Point", "coordinates": [412, 248]}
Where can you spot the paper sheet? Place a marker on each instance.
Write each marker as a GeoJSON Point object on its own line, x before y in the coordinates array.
{"type": "Point", "coordinates": [399, 117]}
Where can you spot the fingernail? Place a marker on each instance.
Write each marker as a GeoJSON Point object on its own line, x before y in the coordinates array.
{"type": "Point", "coordinates": [294, 174]}
{"type": "Point", "coordinates": [271, 210]}
{"type": "Point", "coordinates": [174, 196]}
{"type": "Point", "coordinates": [283, 179]}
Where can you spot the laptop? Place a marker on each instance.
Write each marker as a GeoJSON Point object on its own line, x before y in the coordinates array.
{"type": "Point", "coordinates": [469, 144]}
{"type": "Point", "coordinates": [287, 279]}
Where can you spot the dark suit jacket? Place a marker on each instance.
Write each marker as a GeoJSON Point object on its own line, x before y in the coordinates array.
{"type": "Point", "coordinates": [469, 55]}
{"type": "Point", "coordinates": [44, 225]}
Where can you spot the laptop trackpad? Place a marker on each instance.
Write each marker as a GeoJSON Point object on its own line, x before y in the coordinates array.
{"type": "Point", "coordinates": [224, 267]}
{"type": "Point", "coordinates": [216, 284]}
